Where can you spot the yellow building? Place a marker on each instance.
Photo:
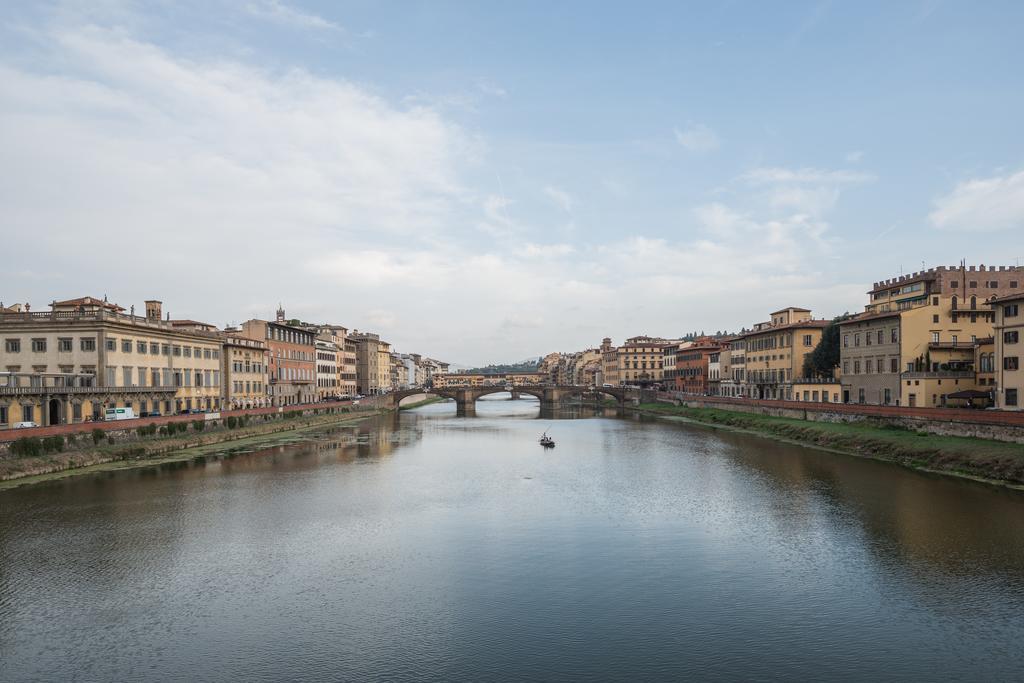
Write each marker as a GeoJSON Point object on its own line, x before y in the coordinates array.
{"type": "Point", "coordinates": [774, 352]}
{"type": "Point", "coordinates": [384, 362]}
{"type": "Point", "coordinates": [245, 372]}
{"type": "Point", "coordinates": [824, 391]}
{"type": "Point", "coordinates": [916, 343]}
{"type": "Point", "coordinates": [1009, 332]}
{"type": "Point", "coordinates": [639, 360]}
{"type": "Point", "coordinates": [143, 356]}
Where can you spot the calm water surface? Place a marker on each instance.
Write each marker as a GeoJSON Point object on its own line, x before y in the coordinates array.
{"type": "Point", "coordinates": [425, 546]}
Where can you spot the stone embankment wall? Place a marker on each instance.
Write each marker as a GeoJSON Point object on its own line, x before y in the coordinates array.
{"type": "Point", "coordinates": [123, 430]}
{"type": "Point", "coordinates": [982, 424]}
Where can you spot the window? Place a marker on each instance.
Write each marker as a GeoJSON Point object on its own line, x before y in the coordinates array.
{"type": "Point", "coordinates": [935, 301]}
{"type": "Point", "coordinates": [154, 349]}
{"type": "Point", "coordinates": [894, 335]}
{"type": "Point", "coordinates": [846, 340]}
{"type": "Point", "coordinates": [140, 347]}
{"type": "Point", "coordinates": [1010, 311]}
{"type": "Point", "coordinates": [973, 284]}
{"type": "Point", "coordinates": [954, 284]}
{"type": "Point", "coordinates": [935, 337]}
{"type": "Point", "coordinates": [954, 340]}
{"type": "Point", "coordinates": [126, 374]}
{"type": "Point", "coordinates": [1011, 337]}
{"type": "Point", "coordinates": [38, 345]}
{"type": "Point", "coordinates": [935, 319]}
{"type": "Point", "coordinates": [868, 366]}
{"type": "Point", "coordinates": [887, 396]}
{"type": "Point", "coordinates": [1013, 284]}
{"type": "Point", "coordinates": [126, 346]}
{"type": "Point", "coordinates": [187, 351]}
{"type": "Point", "coordinates": [88, 343]}
{"type": "Point", "coordinates": [856, 339]}
{"type": "Point", "coordinates": [165, 349]}
{"type": "Point", "coordinates": [3, 415]}
{"type": "Point", "coordinates": [64, 344]}
{"type": "Point", "coordinates": [846, 367]}
{"type": "Point", "coordinates": [12, 345]}
{"type": "Point", "coordinates": [111, 345]}
{"type": "Point", "coordinates": [176, 351]}
{"type": "Point", "coordinates": [856, 367]}
{"type": "Point", "coordinates": [1010, 363]}
{"type": "Point", "coordinates": [28, 413]}
{"type": "Point", "coordinates": [1011, 397]}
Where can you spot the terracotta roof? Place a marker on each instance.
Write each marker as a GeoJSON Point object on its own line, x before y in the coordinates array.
{"type": "Point", "coordinates": [88, 301]}
{"type": "Point", "coordinates": [870, 316]}
{"type": "Point", "coordinates": [791, 308]}
{"type": "Point", "coordinates": [1009, 297]}
{"type": "Point", "coordinates": [190, 323]}
{"type": "Point", "coordinates": [803, 324]}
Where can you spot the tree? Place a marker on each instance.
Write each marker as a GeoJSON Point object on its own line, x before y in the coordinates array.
{"type": "Point", "coordinates": [822, 361]}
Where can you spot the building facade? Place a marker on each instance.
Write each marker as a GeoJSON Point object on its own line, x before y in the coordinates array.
{"type": "Point", "coordinates": [774, 352]}
{"type": "Point", "coordinates": [1009, 332]}
{"type": "Point", "coordinates": [291, 359]}
{"type": "Point", "coordinates": [155, 366]}
{"type": "Point", "coordinates": [246, 374]}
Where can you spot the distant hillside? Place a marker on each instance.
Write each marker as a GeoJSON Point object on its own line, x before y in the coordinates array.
{"type": "Point", "coordinates": [499, 368]}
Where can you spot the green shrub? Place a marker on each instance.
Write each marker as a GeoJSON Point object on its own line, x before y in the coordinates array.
{"type": "Point", "coordinates": [97, 436]}
{"type": "Point", "coordinates": [72, 439]}
{"type": "Point", "coordinates": [198, 425]}
{"type": "Point", "coordinates": [148, 430]}
{"type": "Point", "coordinates": [53, 444]}
{"type": "Point", "coordinates": [232, 422]}
{"type": "Point", "coordinates": [29, 446]}
{"type": "Point", "coordinates": [164, 431]}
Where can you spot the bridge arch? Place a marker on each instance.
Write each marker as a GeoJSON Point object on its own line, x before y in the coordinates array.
{"type": "Point", "coordinates": [480, 392]}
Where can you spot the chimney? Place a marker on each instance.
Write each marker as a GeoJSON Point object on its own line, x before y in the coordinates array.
{"type": "Point", "coordinates": [154, 310]}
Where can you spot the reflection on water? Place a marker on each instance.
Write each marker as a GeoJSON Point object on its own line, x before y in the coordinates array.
{"type": "Point", "coordinates": [426, 546]}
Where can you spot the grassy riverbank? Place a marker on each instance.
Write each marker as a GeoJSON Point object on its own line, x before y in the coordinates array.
{"type": "Point", "coordinates": [980, 459]}
{"type": "Point", "coordinates": [16, 471]}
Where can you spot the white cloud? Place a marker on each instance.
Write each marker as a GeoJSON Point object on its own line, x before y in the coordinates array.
{"type": "Point", "coordinates": [559, 197]}
{"type": "Point", "coordinates": [982, 204]}
{"type": "Point", "coordinates": [854, 156]}
{"type": "Point", "coordinates": [490, 88]}
{"type": "Point", "coordinates": [281, 13]}
{"type": "Point", "coordinates": [697, 137]}
{"type": "Point", "coordinates": [223, 188]}
{"type": "Point", "coordinates": [761, 176]}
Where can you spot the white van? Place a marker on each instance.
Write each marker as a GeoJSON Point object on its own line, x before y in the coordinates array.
{"type": "Point", "coordinates": [119, 414]}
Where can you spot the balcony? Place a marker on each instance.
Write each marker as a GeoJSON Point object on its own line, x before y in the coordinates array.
{"type": "Point", "coordinates": [41, 390]}
{"type": "Point", "coordinates": [939, 374]}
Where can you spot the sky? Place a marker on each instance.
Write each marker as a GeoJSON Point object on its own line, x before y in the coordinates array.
{"type": "Point", "coordinates": [487, 182]}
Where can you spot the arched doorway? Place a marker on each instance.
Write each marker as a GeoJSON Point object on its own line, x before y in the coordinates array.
{"type": "Point", "coordinates": [53, 410]}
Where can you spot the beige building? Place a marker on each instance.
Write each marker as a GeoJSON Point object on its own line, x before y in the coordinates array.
{"type": "Point", "coordinates": [143, 356]}
{"type": "Point", "coordinates": [246, 375]}
{"type": "Point", "coordinates": [368, 356]}
{"type": "Point", "coordinates": [915, 344]}
{"type": "Point", "coordinates": [1009, 333]}
{"type": "Point", "coordinates": [384, 367]}
{"type": "Point", "coordinates": [639, 360]}
{"type": "Point", "coordinates": [774, 352]}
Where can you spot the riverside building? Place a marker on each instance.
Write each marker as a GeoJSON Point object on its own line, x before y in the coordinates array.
{"type": "Point", "coordinates": [85, 355]}
{"type": "Point", "coordinates": [291, 359]}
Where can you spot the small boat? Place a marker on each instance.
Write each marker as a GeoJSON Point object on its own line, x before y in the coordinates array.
{"type": "Point", "coordinates": [546, 441]}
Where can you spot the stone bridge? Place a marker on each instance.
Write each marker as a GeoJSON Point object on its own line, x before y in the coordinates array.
{"type": "Point", "coordinates": [549, 395]}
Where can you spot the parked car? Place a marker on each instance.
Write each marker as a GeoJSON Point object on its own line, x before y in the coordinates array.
{"type": "Point", "coordinates": [25, 425]}
{"type": "Point", "coordinates": [154, 413]}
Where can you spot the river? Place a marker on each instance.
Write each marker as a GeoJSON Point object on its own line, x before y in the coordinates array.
{"type": "Point", "coordinates": [422, 546]}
